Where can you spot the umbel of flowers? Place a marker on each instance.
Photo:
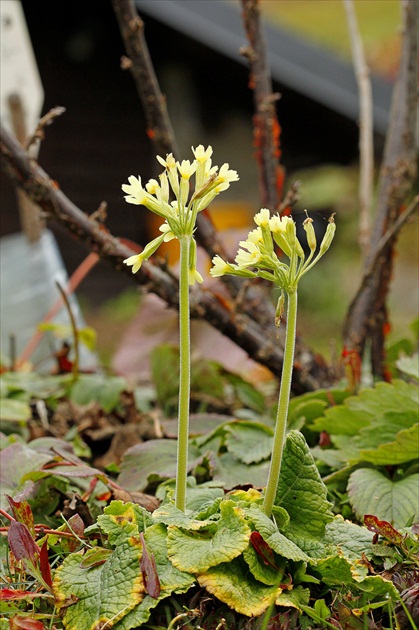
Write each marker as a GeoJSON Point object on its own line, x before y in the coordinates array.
{"type": "Point", "coordinates": [257, 257]}
{"type": "Point", "coordinates": [177, 202]}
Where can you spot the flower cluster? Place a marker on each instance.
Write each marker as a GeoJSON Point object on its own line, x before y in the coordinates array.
{"type": "Point", "coordinates": [180, 213]}
{"type": "Point", "coordinates": [257, 256]}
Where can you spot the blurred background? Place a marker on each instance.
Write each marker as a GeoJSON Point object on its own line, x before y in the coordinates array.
{"type": "Point", "coordinates": [100, 140]}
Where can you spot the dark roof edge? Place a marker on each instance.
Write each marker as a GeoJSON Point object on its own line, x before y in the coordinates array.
{"type": "Point", "coordinates": [303, 67]}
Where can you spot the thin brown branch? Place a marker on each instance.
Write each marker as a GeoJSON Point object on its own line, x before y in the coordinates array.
{"type": "Point", "coordinates": [366, 134]}
{"type": "Point", "coordinates": [309, 373]}
{"type": "Point", "coordinates": [265, 122]}
{"type": "Point", "coordinates": [367, 314]}
{"type": "Point", "coordinates": [159, 128]}
{"type": "Point", "coordinates": [48, 119]}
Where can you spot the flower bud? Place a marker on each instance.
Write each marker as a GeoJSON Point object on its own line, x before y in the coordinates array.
{"type": "Point", "coordinates": [279, 309]}
{"type": "Point", "coordinates": [328, 237]}
{"type": "Point", "coordinates": [311, 234]}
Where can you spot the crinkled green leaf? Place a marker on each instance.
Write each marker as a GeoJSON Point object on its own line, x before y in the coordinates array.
{"type": "Point", "coordinates": [234, 585]}
{"type": "Point", "coordinates": [171, 579]}
{"type": "Point", "coordinates": [169, 514]}
{"type": "Point", "coordinates": [404, 449]}
{"type": "Point", "coordinates": [301, 492]}
{"type": "Point", "coordinates": [249, 442]}
{"type": "Point", "coordinates": [154, 459]}
{"type": "Point", "coordinates": [337, 571]}
{"type": "Point", "coordinates": [372, 492]}
{"type": "Point", "coordinates": [367, 407]}
{"type": "Point", "coordinates": [14, 410]}
{"type": "Point", "coordinates": [350, 539]}
{"type": "Point", "coordinates": [196, 551]}
{"type": "Point", "coordinates": [103, 593]}
{"type": "Point", "coordinates": [273, 537]}
{"type": "Point", "coordinates": [123, 520]}
{"type": "Point", "coordinates": [307, 407]}
{"type": "Point", "coordinates": [197, 496]}
{"type": "Point", "coordinates": [234, 473]}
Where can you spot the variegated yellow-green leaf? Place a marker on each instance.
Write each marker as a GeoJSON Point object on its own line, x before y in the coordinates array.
{"type": "Point", "coordinates": [234, 585]}
{"type": "Point", "coordinates": [171, 579]}
{"type": "Point", "coordinates": [196, 551]}
{"type": "Point", "coordinates": [122, 520]}
{"type": "Point", "coordinates": [101, 594]}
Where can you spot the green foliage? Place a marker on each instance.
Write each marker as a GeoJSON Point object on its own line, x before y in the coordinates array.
{"type": "Point", "coordinates": [374, 441]}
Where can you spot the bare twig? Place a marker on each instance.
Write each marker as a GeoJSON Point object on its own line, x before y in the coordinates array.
{"type": "Point", "coordinates": [265, 122]}
{"type": "Point", "coordinates": [309, 372]}
{"type": "Point", "coordinates": [159, 128]}
{"type": "Point", "coordinates": [46, 120]}
{"type": "Point", "coordinates": [366, 143]}
{"type": "Point", "coordinates": [74, 329]}
{"type": "Point", "coordinates": [367, 314]}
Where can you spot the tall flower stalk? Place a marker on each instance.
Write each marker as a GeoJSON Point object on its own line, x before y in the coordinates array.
{"type": "Point", "coordinates": [172, 199]}
{"type": "Point", "coordinates": [257, 258]}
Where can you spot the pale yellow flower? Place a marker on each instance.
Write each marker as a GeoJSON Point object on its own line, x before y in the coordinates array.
{"type": "Point", "coordinates": [220, 267]}
{"type": "Point", "coordinates": [250, 257]}
{"type": "Point", "coordinates": [134, 261]}
{"type": "Point", "coordinates": [262, 217]}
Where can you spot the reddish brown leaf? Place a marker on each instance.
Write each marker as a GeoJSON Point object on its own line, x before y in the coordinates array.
{"type": "Point", "coordinates": [21, 542]}
{"type": "Point", "coordinates": [44, 565]}
{"type": "Point", "coordinates": [25, 623]}
{"type": "Point", "coordinates": [8, 594]}
{"type": "Point", "coordinates": [383, 528]}
{"type": "Point", "coordinates": [22, 513]}
{"type": "Point", "coordinates": [263, 550]}
{"type": "Point", "coordinates": [149, 571]}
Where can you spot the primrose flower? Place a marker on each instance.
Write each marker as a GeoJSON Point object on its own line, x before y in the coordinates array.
{"type": "Point", "coordinates": [180, 213]}
{"type": "Point", "coordinates": [220, 267]}
{"type": "Point", "coordinates": [135, 192]}
{"type": "Point", "coordinates": [249, 258]}
{"type": "Point", "coordinates": [258, 252]}
{"type": "Point", "coordinates": [262, 217]}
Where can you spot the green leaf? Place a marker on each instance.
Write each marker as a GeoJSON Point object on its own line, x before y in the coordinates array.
{"type": "Point", "coordinates": [273, 537]}
{"type": "Point", "coordinates": [249, 442]}
{"type": "Point", "coordinates": [16, 461]}
{"type": "Point", "coordinates": [307, 407]}
{"type": "Point", "coordinates": [371, 492]}
{"type": "Point", "coordinates": [261, 571]}
{"type": "Point", "coordinates": [106, 390]}
{"type": "Point", "coordinates": [196, 551]}
{"type": "Point", "coordinates": [296, 598]}
{"type": "Point", "coordinates": [152, 460]}
{"type": "Point", "coordinates": [197, 496]}
{"type": "Point", "coordinates": [404, 449]}
{"type": "Point", "coordinates": [409, 366]}
{"type": "Point", "coordinates": [14, 410]}
{"type": "Point", "coordinates": [171, 579]}
{"type": "Point", "coordinates": [350, 539]}
{"type": "Point", "coordinates": [234, 473]}
{"type": "Point", "coordinates": [234, 585]}
{"type": "Point", "coordinates": [247, 393]}
{"type": "Point", "coordinates": [103, 593]}
{"type": "Point", "coordinates": [301, 492]}
{"type": "Point", "coordinates": [122, 520]}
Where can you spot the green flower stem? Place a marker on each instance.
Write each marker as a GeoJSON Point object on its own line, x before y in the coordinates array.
{"type": "Point", "coordinates": [283, 403]}
{"type": "Point", "coordinates": [184, 377]}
